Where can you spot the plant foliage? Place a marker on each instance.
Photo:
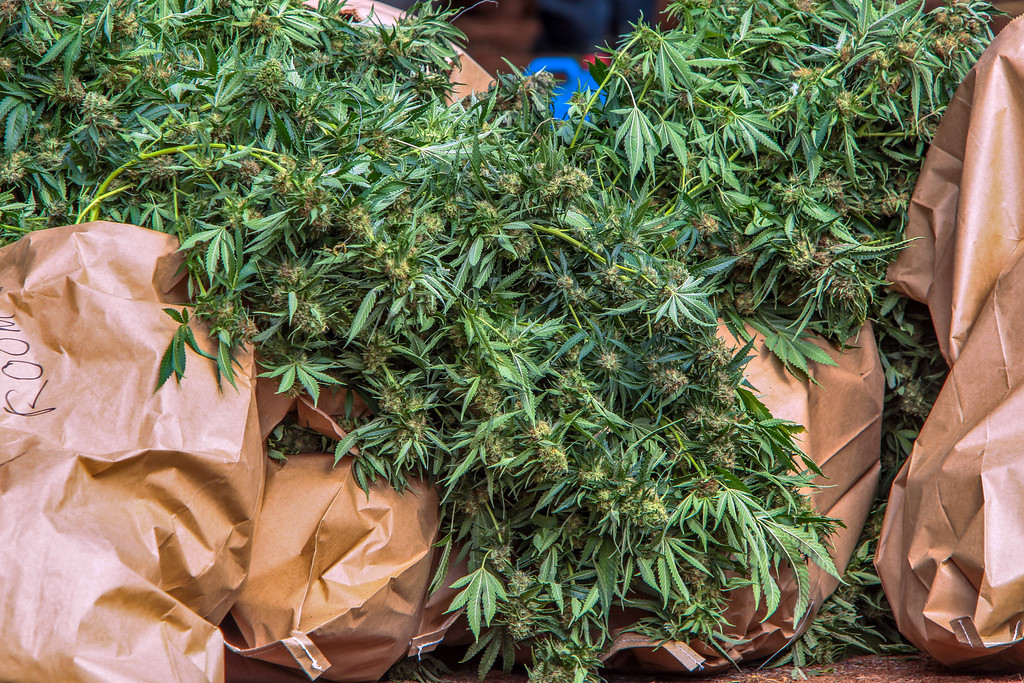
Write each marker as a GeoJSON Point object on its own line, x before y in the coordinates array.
{"type": "Point", "coordinates": [530, 306]}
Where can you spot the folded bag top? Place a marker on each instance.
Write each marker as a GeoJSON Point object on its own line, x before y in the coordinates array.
{"type": "Point", "coordinates": [339, 576]}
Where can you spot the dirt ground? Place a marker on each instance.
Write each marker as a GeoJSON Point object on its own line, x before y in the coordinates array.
{"type": "Point", "coordinates": [866, 669]}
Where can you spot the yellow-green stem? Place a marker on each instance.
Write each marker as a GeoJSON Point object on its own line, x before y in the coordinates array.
{"type": "Point", "coordinates": [579, 245]}
{"type": "Point", "coordinates": [94, 204]}
{"type": "Point", "coordinates": [552, 269]}
{"type": "Point", "coordinates": [600, 89]}
{"type": "Point", "coordinates": [262, 155]}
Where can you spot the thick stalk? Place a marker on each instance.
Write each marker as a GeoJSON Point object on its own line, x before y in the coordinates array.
{"type": "Point", "coordinates": [101, 193]}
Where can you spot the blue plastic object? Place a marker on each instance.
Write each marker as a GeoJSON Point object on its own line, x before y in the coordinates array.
{"type": "Point", "coordinates": [572, 78]}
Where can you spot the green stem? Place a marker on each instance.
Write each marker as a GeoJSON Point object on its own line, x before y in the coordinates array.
{"type": "Point", "coordinates": [494, 521]}
{"type": "Point", "coordinates": [102, 191]}
{"type": "Point", "coordinates": [600, 89]}
{"type": "Point", "coordinates": [894, 134]}
{"type": "Point", "coordinates": [551, 268]}
{"type": "Point", "coordinates": [195, 163]}
{"type": "Point", "coordinates": [174, 194]}
{"type": "Point", "coordinates": [94, 204]}
{"type": "Point", "coordinates": [579, 245]}
{"type": "Point", "coordinates": [571, 240]}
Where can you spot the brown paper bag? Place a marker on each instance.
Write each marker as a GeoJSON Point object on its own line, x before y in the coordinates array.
{"type": "Point", "coordinates": [966, 215]}
{"type": "Point", "coordinates": [948, 555]}
{"type": "Point", "coordinates": [125, 514]}
{"type": "Point", "coordinates": [338, 581]}
{"type": "Point", "coordinates": [338, 585]}
{"type": "Point", "coordinates": [841, 410]}
{"type": "Point", "coordinates": [950, 550]}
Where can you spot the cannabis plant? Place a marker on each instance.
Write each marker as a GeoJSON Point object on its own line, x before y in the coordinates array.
{"type": "Point", "coordinates": [530, 306]}
{"type": "Point", "coordinates": [790, 135]}
{"type": "Point", "coordinates": [788, 138]}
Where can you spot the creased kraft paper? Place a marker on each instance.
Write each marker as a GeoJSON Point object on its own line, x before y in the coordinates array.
{"type": "Point", "coordinates": [950, 550]}
{"type": "Point", "coordinates": [338, 582]}
{"type": "Point", "coordinates": [949, 555]}
{"type": "Point", "coordinates": [966, 216]}
{"type": "Point", "coordinates": [125, 515]}
{"type": "Point", "coordinates": [841, 409]}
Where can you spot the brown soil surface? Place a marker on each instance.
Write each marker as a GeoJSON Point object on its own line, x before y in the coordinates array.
{"type": "Point", "coordinates": [865, 669]}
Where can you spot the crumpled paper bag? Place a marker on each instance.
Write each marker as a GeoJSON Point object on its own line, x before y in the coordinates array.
{"type": "Point", "coordinates": [126, 512]}
{"type": "Point", "coordinates": [949, 555]}
{"type": "Point", "coordinates": [338, 581]}
{"type": "Point", "coordinates": [841, 409]}
{"type": "Point", "coordinates": [338, 584]}
{"type": "Point", "coordinates": [966, 215]}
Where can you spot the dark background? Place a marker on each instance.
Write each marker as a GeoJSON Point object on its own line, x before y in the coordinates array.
{"type": "Point", "coordinates": [500, 30]}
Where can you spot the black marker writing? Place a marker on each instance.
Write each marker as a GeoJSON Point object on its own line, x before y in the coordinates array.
{"type": "Point", "coordinates": [23, 399]}
{"type": "Point", "coordinates": [14, 411]}
{"type": "Point", "coordinates": [14, 347]}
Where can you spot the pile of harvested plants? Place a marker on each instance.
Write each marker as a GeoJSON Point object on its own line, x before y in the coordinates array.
{"type": "Point", "coordinates": [528, 305]}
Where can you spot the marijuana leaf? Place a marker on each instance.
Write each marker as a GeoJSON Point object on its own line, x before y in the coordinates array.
{"type": "Point", "coordinates": [481, 591]}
